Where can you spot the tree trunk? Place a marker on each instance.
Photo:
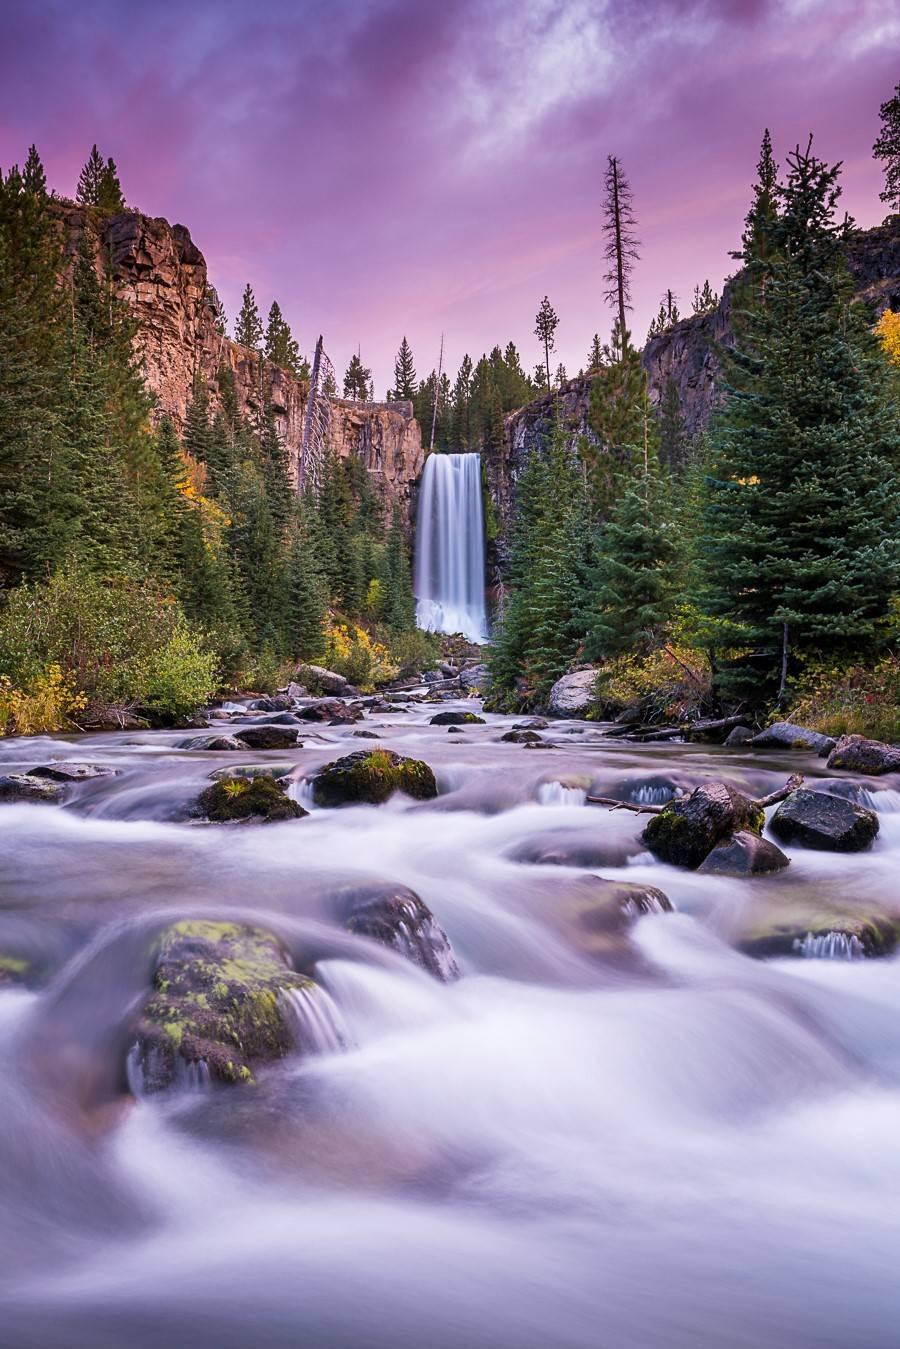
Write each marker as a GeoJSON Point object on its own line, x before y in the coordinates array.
{"type": "Point", "coordinates": [785, 648]}
{"type": "Point", "coordinates": [620, 261]}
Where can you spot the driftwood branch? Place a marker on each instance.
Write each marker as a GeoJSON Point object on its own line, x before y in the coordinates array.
{"type": "Point", "coordinates": [794, 781]}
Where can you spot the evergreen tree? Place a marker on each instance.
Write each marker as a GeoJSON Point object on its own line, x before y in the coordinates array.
{"type": "Point", "coordinates": [621, 249]}
{"type": "Point", "coordinates": [248, 329]}
{"type": "Point", "coordinates": [306, 590]}
{"type": "Point", "coordinates": [356, 380]}
{"type": "Point", "coordinates": [110, 198]}
{"type": "Point", "coordinates": [404, 374]}
{"type": "Point", "coordinates": [759, 232]}
{"type": "Point", "coordinates": [887, 148]}
{"type": "Point", "coordinates": [399, 606]}
{"type": "Point", "coordinates": [34, 179]}
{"type": "Point", "coordinates": [705, 300]}
{"type": "Point", "coordinates": [672, 436]}
{"type": "Point", "coordinates": [561, 377]}
{"type": "Point", "coordinates": [802, 503]}
{"type": "Point", "coordinates": [595, 355]}
{"type": "Point", "coordinates": [622, 419]}
{"type": "Point", "coordinates": [280, 346]}
{"type": "Point", "coordinates": [461, 434]}
{"type": "Point", "coordinates": [90, 179]}
{"type": "Point", "coordinates": [545, 326]}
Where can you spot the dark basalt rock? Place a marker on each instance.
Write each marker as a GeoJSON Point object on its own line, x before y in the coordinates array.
{"type": "Point", "coordinates": [829, 823]}
{"type": "Point", "coordinates": [24, 787]}
{"type": "Point", "coordinates": [686, 831]}
{"type": "Point", "coordinates": [71, 772]}
{"type": "Point", "coordinates": [856, 754]}
{"type": "Point", "coordinates": [278, 702]}
{"type": "Point", "coordinates": [372, 776]}
{"type": "Point", "coordinates": [366, 735]}
{"type": "Point", "coordinates": [786, 735]}
{"type": "Point", "coordinates": [260, 797]}
{"type": "Point", "coordinates": [395, 916]}
{"type": "Point", "coordinates": [212, 742]}
{"type": "Point", "coordinates": [532, 724]}
{"type": "Point", "coordinates": [456, 719]}
{"type": "Point", "coordinates": [521, 738]}
{"type": "Point", "coordinates": [330, 710]}
{"type": "Point", "coordinates": [741, 735]}
{"type": "Point", "coordinates": [267, 737]}
{"type": "Point", "coordinates": [285, 719]}
{"type": "Point", "coordinates": [743, 854]}
{"type": "Point", "coordinates": [218, 1007]}
{"type": "Point", "coordinates": [714, 731]}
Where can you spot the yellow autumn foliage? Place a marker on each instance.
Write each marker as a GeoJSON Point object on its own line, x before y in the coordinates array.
{"type": "Point", "coordinates": [353, 653]}
{"type": "Point", "coordinates": [47, 704]}
{"type": "Point", "coordinates": [888, 330]}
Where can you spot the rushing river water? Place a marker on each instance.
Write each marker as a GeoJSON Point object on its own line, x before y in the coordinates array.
{"type": "Point", "coordinates": [663, 1144]}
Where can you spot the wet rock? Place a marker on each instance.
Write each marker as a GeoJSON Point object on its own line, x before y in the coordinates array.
{"type": "Point", "coordinates": [456, 719]}
{"type": "Point", "coordinates": [478, 677]}
{"type": "Point", "coordinates": [856, 754]}
{"type": "Point", "coordinates": [294, 691]}
{"type": "Point", "coordinates": [261, 798]}
{"type": "Point", "coordinates": [532, 724]}
{"type": "Point", "coordinates": [686, 831]}
{"type": "Point", "coordinates": [805, 928]}
{"type": "Point", "coordinates": [598, 911]}
{"type": "Point", "coordinates": [279, 702]}
{"type": "Point", "coordinates": [111, 717]}
{"type": "Point", "coordinates": [395, 916]}
{"type": "Point", "coordinates": [219, 1006]}
{"type": "Point", "coordinates": [71, 772]}
{"type": "Point", "coordinates": [743, 854]}
{"type": "Point", "coordinates": [320, 680]}
{"type": "Point", "coordinates": [366, 735]}
{"type": "Point", "coordinates": [521, 738]}
{"type": "Point", "coordinates": [267, 737]}
{"type": "Point", "coordinates": [267, 770]}
{"type": "Point", "coordinates": [787, 735]}
{"type": "Point", "coordinates": [713, 731]}
{"type": "Point", "coordinates": [656, 789]}
{"type": "Point", "coordinates": [285, 719]}
{"type": "Point", "coordinates": [741, 735]}
{"type": "Point", "coordinates": [372, 776]}
{"type": "Point", "coordinates": [454, 730]}
{"type": "Point", "coordinates": [24, 787]}
{"type": "Point", "coordinates": [14, 969]}
{"type": "Point", "coordinates": [829, 823]}
{"type": "Point", "coordinates": [329, 710]}
{"type": "Point", "coordinates": [573, 694]}
{"type": "Point", "coordinates": [212, 742]}
{"type": "Point", "coordinates": [576, 848]}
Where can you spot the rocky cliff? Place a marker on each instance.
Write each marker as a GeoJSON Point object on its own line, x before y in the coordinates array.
{"type": "Point", "coordinates": [161, 275]}
{"type": "Point", "coordinates": [687, 355]}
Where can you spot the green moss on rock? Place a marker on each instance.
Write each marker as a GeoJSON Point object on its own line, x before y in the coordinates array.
{"type": "Point", "coordinates": [373, 776]}
{"type": "Point", "coordinates": [686, 830]}
{"type": "Point", "coordinates": [217, 1002]}
{"type": "Point", "coordinates": [261, 797]}
{"type": "Point", "coordinates": [457, 719]}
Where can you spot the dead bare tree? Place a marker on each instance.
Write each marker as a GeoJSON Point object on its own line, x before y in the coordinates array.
{"type": "Point", "coordinates": [794, 781]}
{"type": "Point", "coordinates": [622, 245]}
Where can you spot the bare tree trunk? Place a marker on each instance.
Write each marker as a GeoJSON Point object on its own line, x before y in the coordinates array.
{"type": "Point", "coordinates": [785, 648]}
{"type": "Point", "coordinates": [437, 386]}
{"type": "Point", "coordinates": [620, 259]}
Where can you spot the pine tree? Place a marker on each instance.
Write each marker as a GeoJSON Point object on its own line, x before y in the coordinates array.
{"type": "Point", "coordinates": [110, 198]}
{"type": "Point", "coordinates": [802, 504]}
{"type": "Point", "coordinates": [672, 436]}
{"type": "Point", "coordinates": [399, 606]}
{"type": "Point", "coordinates": [280, 345]}
{"type": "Point", "coordinates": [545, 326]}
{"type": "Point", "coordinates": [622, 245]}
{"type": "Point", "coordinates": [34, 180]}
{"type": "Point", "coordinates": [307, 590]}
{"type": "Point", "coordinates": [758, 226]}
{"type": "Point", "coordinates": [356, 380]}
{"type": "Point", "coordinates": [560, 377]}
{"type": "Point", "coordinates": [595, 355]}
{"type": "Point", "coordinates": [622, 419]}
{"type": "Point", "coordinates": [887, 148]}
{"type": "Point", "coordinates": [404, 374]}
{"type": "Point", "coordinates": [90, 178]}
{"type": "Point", "coordinates": [248, 329]}
{"type": "Point", "coordinates": [705, 300]}
{"type": "Point", "coordinates": [460, 398]}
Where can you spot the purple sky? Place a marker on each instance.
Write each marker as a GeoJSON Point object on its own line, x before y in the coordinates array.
{"type": "Point", "coordinates": [391, 166]}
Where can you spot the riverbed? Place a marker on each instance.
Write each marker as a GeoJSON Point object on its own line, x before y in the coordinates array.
{"type": "Point", "coordinates": [651, 1142]}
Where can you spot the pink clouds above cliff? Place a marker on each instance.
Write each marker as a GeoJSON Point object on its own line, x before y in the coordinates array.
{"type": "Point", "coordinates": [391, 166]}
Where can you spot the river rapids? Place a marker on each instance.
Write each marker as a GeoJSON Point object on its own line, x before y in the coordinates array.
{"type": "Point", "coordinates": [656, 1142]}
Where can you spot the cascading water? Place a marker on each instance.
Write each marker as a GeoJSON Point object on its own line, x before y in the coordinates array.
{"type": "Point", "coordinates": [450, 547]}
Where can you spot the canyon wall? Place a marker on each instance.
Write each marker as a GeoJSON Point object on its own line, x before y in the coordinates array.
{"type": "Point", "coordinates": [161, 275]}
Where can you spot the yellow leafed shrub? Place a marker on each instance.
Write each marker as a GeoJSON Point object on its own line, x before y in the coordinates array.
{"type": "Point", "coordinates": [353, 653]}
{"type": "Point", "coordinates": [888, 330]}
{"type": "Point", "coordinates": [48, 703]}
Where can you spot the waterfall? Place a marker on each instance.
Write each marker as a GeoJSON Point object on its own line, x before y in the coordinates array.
{"type": "Point", "coordinates": [450, 547]}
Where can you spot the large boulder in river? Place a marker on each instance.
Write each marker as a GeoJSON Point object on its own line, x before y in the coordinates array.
{"type": "Point", "coordinates": [267, 737]}
{"type": "Point", "coordinates": [330, 710]}
{"type": "Point", "coordinates": [319, 680]}
{"type": "Point", "coordinates": [477, 678]}
{"type": "Point", "coordinates": [260, 797]}
{"type": "Point", "coordinates": [25, 787]}
{"type": "Point", "coordinates": [521, 738]}
{"type": "Point", "coordinates": [686, 831]}
{"type": "Point", "coordinates": [573, 694]}
{"type": "Point", "coordinates": [372, 776]}
{"type": "Point", "coordinates": [829, 823]}
{"type": "Point", "coordinates": [212, 742]}
{"type": "Point", "coordinates": [743, 854]}
{"type": "Point", "coordinates": [786, 735]}
{"type": "Point", "coordinates": [456, 719]}
{"type": "Point", "coordinates": [396, 917]}
{"type": "Point", "coordinates": [856, 754]}
{"type": "Point", "coordinates": [221, 1004]}
{"type": "Point", "coordinates": [64, 771]}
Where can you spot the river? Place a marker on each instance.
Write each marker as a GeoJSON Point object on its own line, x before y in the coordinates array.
{"type": "Point", "coordinates": [654, 1142]}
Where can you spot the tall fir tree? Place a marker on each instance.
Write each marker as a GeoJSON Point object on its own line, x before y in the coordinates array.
{"type": "Point", "coordinates": [90, 179]}
{"type": "Point", "coordinates": [34, 180]}
{"type": "Point", "coordinates": [280, 345]}
{"type": "Point", "coordinates": [887, 149]}
{"type": "Point", "coordinates": [405, 384]}
{"type": "Point", "coordinates": [248, 329]}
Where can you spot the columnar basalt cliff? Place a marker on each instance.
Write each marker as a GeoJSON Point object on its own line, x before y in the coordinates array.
{"type": "Point", "coordinates": [685, 354]}
{"type": "Point", "coordinates": [161, 275]}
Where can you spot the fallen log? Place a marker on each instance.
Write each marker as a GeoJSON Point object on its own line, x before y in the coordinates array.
{"type": "Point", "coordinates": [794, 781]}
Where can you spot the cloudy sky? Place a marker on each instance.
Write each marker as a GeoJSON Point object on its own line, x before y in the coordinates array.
{"type": "Point", "coordinates": [384, 167]}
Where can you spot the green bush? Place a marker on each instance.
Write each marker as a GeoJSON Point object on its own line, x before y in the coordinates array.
{"type": "Point", "coordinates": [117, 642]}
{"type": "Point", "coordinates": [853, 700]}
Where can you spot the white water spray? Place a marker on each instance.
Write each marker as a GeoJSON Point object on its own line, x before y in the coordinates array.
{"type": "Point", "coordinates": [450, 547]}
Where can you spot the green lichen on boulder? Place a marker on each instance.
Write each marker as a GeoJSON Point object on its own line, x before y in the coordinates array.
{"type": "Point", "coordinates": [217, 1007]}
{"type": "Point", "coordinates": [811, 928]}
{"type": "Point", "coordinates": [260, 798]}
{"type": "Point", "coordinates": [457, 719]}
{"type": "Point", "coordinates": [373, 776]}
{"type": "Point", "coordinates": [686, 830]}
{"type": "Point", "coordinates": [13, 969]}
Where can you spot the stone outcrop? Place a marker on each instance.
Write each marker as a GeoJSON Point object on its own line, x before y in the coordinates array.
{"type": "Point", "coordinates": [161, 275]}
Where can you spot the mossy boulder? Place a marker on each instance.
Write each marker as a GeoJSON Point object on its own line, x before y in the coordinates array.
{"type": "Point", "coordinates": [372, 776]}
{"type": "Point", "coordinates": [788, 735]}
{"type": "Point", "coordinates": [807, 928]}
{"type": "Point", "coordinates": [457, 719]}
{"type": "Point", "coordinates": [261, 797]}
{"type": "Point", "coordinates": [25, 787]}
{"type": "Point", "coordinates": [743, 854]}
{"type": "Point", "coordinates": [268, 737]}
{"type": "Point", "coordinates": [72, 772]}
{"type": "Point", "coordinates": [686, 831]}
{"type": "Point", "coordinates": [396, 917]}
{"type": "Point", "coordinates": [14, 969]}
{"type": "Point", "coordinates": [214, 743]}
{"type": "Point", "coordinates": [828, 823]}
{"type": "Point", "coordinates": [220, 1006]}
{"type": "Point", "coordinates": [856, 754]}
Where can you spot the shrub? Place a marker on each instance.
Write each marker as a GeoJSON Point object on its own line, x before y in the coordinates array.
{"type": "Point", "coordinates": [414, 650]}
{"type": "Point", "coordinates": [47, 704]}
{"type": "Point", "coordinates": [676, 679]}
{"type": "Point", "coordinates": [859, 699]}
{"type": "Point", "coordinates": [114, 642]}
{"type": "Point", "coordinates": [353, 653]}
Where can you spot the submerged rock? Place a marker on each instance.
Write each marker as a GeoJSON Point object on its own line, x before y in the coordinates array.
{"type": "Point", "coordinates": [856, 754]}
{"type": "Point", "coordinates": [686, 831]}
{"type": "Point", "coordinates": [219, 1006]}
{"type": "Point", "coordinates": [372, 776]}
{"type": "Point", "coordinates": [395, 916]}
{"type": "Point", "coordinates": [521, 738]}
{"type": "Point", "coordinates": [24, 787]}
{"type": "Point", "coordinates": [787, 735]}
{"type": "Point", "coordinates": [212, 742]}
{"type": "Point", "coordinates": [278, 702]}
{"type": "Point", "coordinates": [71, 772]}
{"type": "Point", "coordinates": [260, 797]}
{"type": "Point", "coordinates": [577, 848]}
{"type": "Point", "coordinates": [744, 854]}
{"type": "Point", "coordinates": [597, 911]}
{"type": "Point", "coordinates": [830, 823]}
{"type": "Point", "coordinates": [267, 737]}
{"type": "Point", "coordinates": [573, 694]}
{"type": "Point", "coordinates": [819, 931]}
{"type": "Point", "coordinates": [456, 719]}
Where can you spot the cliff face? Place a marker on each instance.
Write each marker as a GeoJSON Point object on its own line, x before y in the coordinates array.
{"type": "Point", "coordinates": [161, 275]}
